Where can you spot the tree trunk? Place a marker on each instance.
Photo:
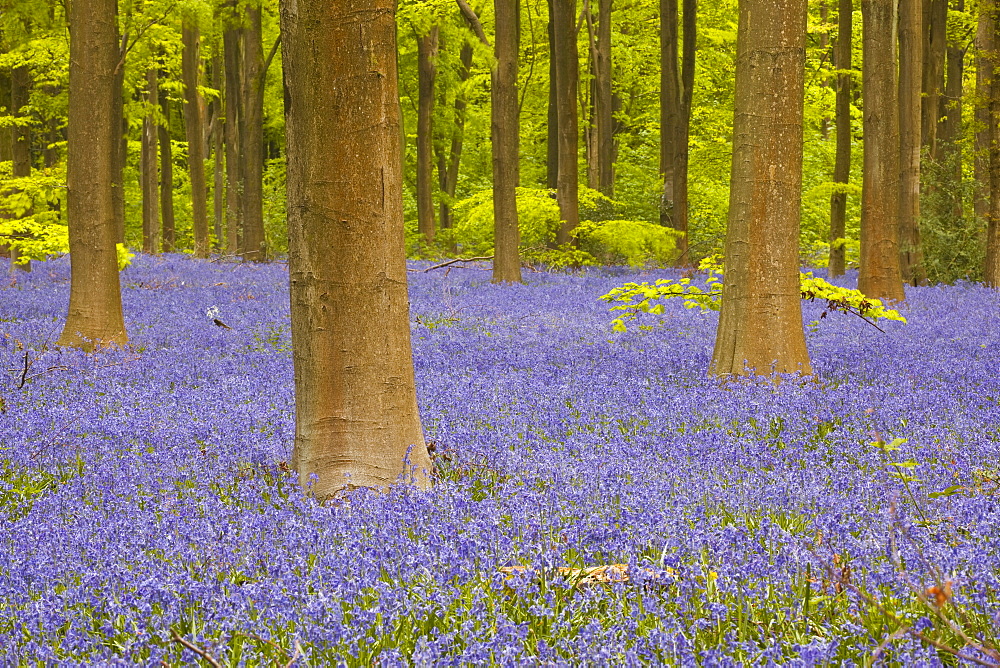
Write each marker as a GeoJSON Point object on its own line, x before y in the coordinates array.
{"type": "Point", "coordinates": [842, 165]}
{"type": "Point", "coordinates": [567, 78]}
{"type": "Point", "coordinates": [950, 128]}
{"type": "Point", "coordinates": [935, 38]}
{"type": "Point", "coordinates": [824, 47]}
{"type": "Point", "coordinates": [20, 92]}
{"type": "Point", "coordinates": [191, 66]}
{"type": "Point", "coordinates": [167, 180]}
{"type": "Point", "coordinates": [670, 109]}
{"type": "Point", "coordinates": [233, 56]}
{"type": "Point", "coordinates": [448, 166]}
{"type": "Point", "coordinates": [357, 423]}
{"type": "Point", "coordinates": [427, 52]}
{"type": "Point", "coordinates": [910, 68]}
{"type": "Point", "coordinates": [552, 136]}
{"type": "Point", "coordinates": [988, 52]}
{"type": "Point", "coordinates": [505, 133]}
{"type": "Point", "coordinates": [148, 168]}
{"type": "Point", "coordinates": [251, 141]}
{"type": "Point", "coordinates": [760, 324]}
{"type": "Point", "coordinates": [217, 138]}
{"type": "Point", "coordinates": [602, 175]}
{"type": "Point", "coordinates": [880, 276]}
{"type": "Point", "coordinates": [688, 41]}
{"type": "Point", "coordinates": [95, 306]}
{"type": "Point", "coordinates": [120, 154]}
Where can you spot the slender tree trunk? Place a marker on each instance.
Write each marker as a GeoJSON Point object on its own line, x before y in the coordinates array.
{"type": "Point", "coordinates": [842, 165]}
{"type": "Point", "coordinates": [356, 419]}
{"type": "Point", "coordinates": [448, 166]}
{"type": "Point", "coordinates": [95, 306]}
{"type": "Point", "coordinates": [191, 70]}
{"type": "Point", "coordinates": [252, 139]}
{"type": "Point", "coordinates": [427, 52]}
{"type": "Point", "coordinates": [6, 148]}
{"type": "Point", "coordinates": [880, 276]}
{"type": "Point", "coordinates": [567, 79]}
{"type": "Point", "coordinates": [985, 47]}
{"type": "Point", "coordinates": [824, 47]}
{"type": "Point", "coordinates": [218, 142]}
{"type": "Point", "coordinates": [505, 133]}
{"type": "Point", "coordinates": [670, 109]}
{"type": "Point", "coordinates": [21, 148]}
{"type": "Point", "coordinates": [910, 67]}
{"type": "Point", "coordinates": [167, 180]}
{"type": "Point", "coordinates": [552, 141]}
{"type": "Point", "coordinates": [149, 168]}
{"type": "Point", "coordinates": [935, 38]}
{"type": "Point", "coordinates": [601, 175]}
{"type": "Point", "coordinates": [989, 51]}
{"type": "Point", "coordinates": [950, 129]}
{"type": "Point", "coordinates": [760, 324]}
{"type": "Point", "coordinates": [233, 56]}
{"type": "Point", "coordinates": [688, 40]}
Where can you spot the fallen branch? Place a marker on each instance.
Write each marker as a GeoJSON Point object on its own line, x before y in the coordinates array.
{"type": "Point", "coordinates": [197, 650]}
{"type": "Point", "coordinates": [455, 261]}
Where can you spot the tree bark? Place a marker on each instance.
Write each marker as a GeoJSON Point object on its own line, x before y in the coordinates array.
{"type": "Point", "coordinates": [880, 276]}
{"type": "Point", "coordinates": [505, 133]}
{"type": "Point", "coordinates": [233, 56]}
{"type": "Point", "coordinates": [935, 38]}
{"type": "Point", "coordinates": [448, 166]}
{"type": "Point", "coordinates": [191, 71]}
{"type": "Point", "coordinates": [427, 52]}
{"type": "Point", "coordinates": [149, 169]}
{"type": "Point", "coordinates": [120, 154]}
{"type": "Point", "coordinates": [989, 51]}
{"type": "Point", "coordinates": [95, 317]}
{"type": "Point", "coordinates": [842, 164]}
{"type": "Point", "coordinates": [760, 324]}
{"type": "Point", "coordinates": [357, 423]}
{"type": "Point", "coordinates": [167, 180]}
{"type": "Point", "coordinates": [20, 93]}
{"type": "Point", "coordinates": [910, 67]}
{"type": "Point", "coordinates": [217, 134]}
{"type": "Point", "coordinates": [567, 79]}
{"type": "Point", "coordinates": [552, 136]}
{"type": "Point", "coordinates": [251, 141]}
{"type": "Point", "coordinates": [950, 128]}
{"type": "Point", "coordinates": [601, 175]}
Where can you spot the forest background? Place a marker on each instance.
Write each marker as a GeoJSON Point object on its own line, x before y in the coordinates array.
{"type": "Point", "coordinates": [234, 66]}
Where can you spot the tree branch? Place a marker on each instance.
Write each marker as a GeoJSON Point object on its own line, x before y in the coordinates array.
{"type": "Point", "coordinates": [474, 22]}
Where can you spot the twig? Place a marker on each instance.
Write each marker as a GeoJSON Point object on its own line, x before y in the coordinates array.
{"type": "Point", "coordinates": [197, 650]}
{"type": "Point", "coordinates": [459, 259]}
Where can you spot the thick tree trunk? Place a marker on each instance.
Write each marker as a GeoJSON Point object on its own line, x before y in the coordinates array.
{"type": "Point", "coordinates": [167, 180]}
{"type": "Point", "coordinates": [910, 67]}
{"type": "Point", "coordinates": [427, 52]}
{"type": "Point", "coordinates": [935, 22]}
{"type": "Point", "coordinates": [233, 56]}
{"type": "Point", "coordinates": [760, 325]}
{"type": "Point", "coordinates": [567, 80]}
{"type": "Point", "coordinates": [552, 136]}
{"type": "Point", "coordinates": [357, 423]}
{"type": "Point", "coordinates": [120, 154]}
{"type": "Point", "coordinates": [989, 52]}
{"type": "Point", "coordinates": [149, 172]}
{"type": "Point", "coordinates": [191, 71]}
{"type": "Point", "coordinates": [20, 93]}
{"type": "Point", "coordinates": [95, 306]}
{"type": "Point", "coordinates": [448, 164]}
{"type": "Point", "coordinates": [842, 164]}
{"type": "Point", "coordinates": [880, 276]}
{"type": "Point", "coordinates": [252, 139]}
{"type": "Point", "coordinates": [505, 133]}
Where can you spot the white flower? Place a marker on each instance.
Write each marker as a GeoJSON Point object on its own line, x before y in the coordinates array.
{"type": "Point", "coordinates": [212, 313]}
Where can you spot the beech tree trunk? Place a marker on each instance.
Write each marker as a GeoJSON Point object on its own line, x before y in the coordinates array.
{"type": "Point", "coordinates": [989, 51]}
{"type": "Point", "coordinates": [167, 180]}
{"type": "Point", "coordinates": [601, 176]}
{"type": "Point", "coordinates": [552, 136]}
{"type": "Point", "coordinates": [20, 92]}
{"type": "Point", "coordinates": [950, 128]}
{"type": "Point", "coordinates": [935, 23]}
{"type": "Point", "coordinates": [149, 172]}
{"type": "Point", "coordinates": [357, 423]}
{"type": "Point", "coordinates": [233, 56]}
{"type": "Point", "coordinates": [95, 306]}
{"type": "Point", "coordinates": [191, 71]}
{"type": "Point", "coordinates": [910, 68]}
{"type": "Point", "coordinates": [120, 153]}
{"type": "Point", "coordinates": [505, 133]}
{"type": "Point", "coordinates": [760, 324]}
{"type": "Point", "coordinates": [217, 134]}
{"type": "Point", "coordinates": [427, 52]}
{"type": "Point", "coordinates": [251, 141]}
{"type": "Point", "coordinates": [567, 79]}
{"type": "Point", "coordinates": [880, 276]}
{"type": "Point", "coordinates": [449, 163]}
{"type": "Point", "coordinates": [842, 164]}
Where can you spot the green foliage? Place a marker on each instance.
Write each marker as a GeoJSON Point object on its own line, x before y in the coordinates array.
{"type": "Point", "coordinates": [635, 298]}
{"type": "Point", "coordinates": [632, 242]}
{"type": "Point", "coordinates": [21, 487]}
{"type": "Point", "coordinates": [538, 220]}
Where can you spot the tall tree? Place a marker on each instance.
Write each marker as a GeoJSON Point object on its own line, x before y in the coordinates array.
{"type": "Point", "coordinates": [601, 145]}
{"type": "Point", "coordinates": [989, 47]}
{"type": "Point", "coordinates": [427, 53]}
{"type": "Point", "coordinates": [950, 128]}
{"type": "Point", "coordinates": [95, 306]}
{"type": "Point", "coordinates": [880, 275]}
{"type": "Point", "coordinates": [356, 407]}
{"type": "Point", "coordinates": [149, 171]}
{"type": "Point", "coordinates": [448, 163]}
{"type": "Point", "coordinates": [251, 129]}
{"type": "Point", "coordinates": [20, 78]}
{"type": "Point", "coordinates": [842, 163]}
{"type": "Point", "coordinates": [911, 64]}
{"type": "Point", "coordinates": [567, 79]}
{"type": "Point", "coordinates": [675, 116]}
{"type": "Point", "coordinates": [217, 135]}
{"type": "Point", "coordinates": [505, 132]}
{"type": "Point", "coordinates": [233, 61]}
{"type": "Point", "coordinates": [935, 23]}
{"type": "Point", "coordinates": [760, 324]}
{"type": "Point", "coordinates": [167, 179]}
{"type": "Point", "coordinates": [986, 46]}
{"type": "Point", "coordinates": [191, 72]}
{"type": "Point", "coordinates": [552, 125]}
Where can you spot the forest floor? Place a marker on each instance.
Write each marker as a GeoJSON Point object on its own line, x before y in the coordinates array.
{"type": "Point", "coordinates": [149, 515]}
